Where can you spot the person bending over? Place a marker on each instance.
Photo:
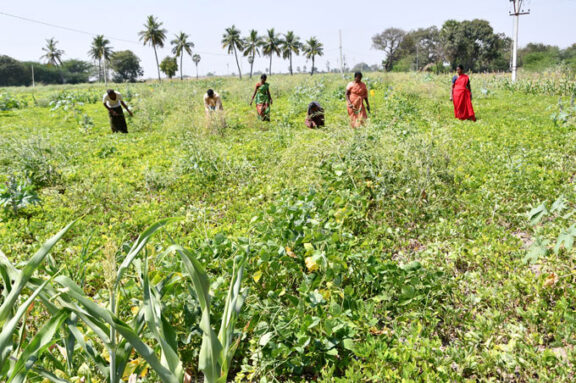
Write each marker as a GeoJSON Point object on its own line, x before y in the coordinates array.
{"type": "Point", "coordinates": [113, 102]}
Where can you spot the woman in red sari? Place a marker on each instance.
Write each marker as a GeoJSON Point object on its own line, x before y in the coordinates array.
{"type": "Point", "coordinates": [356, 94]}
{"type": "Point", "coordinates": [462, 96]}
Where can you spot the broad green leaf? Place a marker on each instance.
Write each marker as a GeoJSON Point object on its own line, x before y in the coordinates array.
{"type": "Point", "coordinates": [8, 329]}
{"type": "Point", "coordinates": [211, 348]}
{"type": "Point", "coordinates": [160, 328]}
{"type": "Point", "coordinates": [99, 313]}
{"type": "Point", "coordinates": [559, 205]}
{"type": "Point", "coordinates": [265, 339]}
{"type": "Point", "coordinates": [27, 272]}
{"type": "Point", "coordinates": [538, 250]}
{"type": "Point", "coordinates": [43, 339]}
{"type": "Point", "coordinates": [139, 245]}
{"type": "Point", "coordinates": [535, 215]}
{"type": "Point", "coordinates": [566, 239]}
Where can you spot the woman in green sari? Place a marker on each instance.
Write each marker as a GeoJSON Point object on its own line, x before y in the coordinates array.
{"type": "Point", "coordinates": [263, 99]}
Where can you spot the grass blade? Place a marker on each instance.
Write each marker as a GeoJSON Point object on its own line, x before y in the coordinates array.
{"type": "Point", "coordinates": [39, 343]}
{"type": "Point", "coordinates": [9, 328]}
{"type": "Point", "coordinates": [139, 245]}
{"type": "Point", "coordinates": [27, 272]}
{"type": "Point", "coordinates": [95, 311]}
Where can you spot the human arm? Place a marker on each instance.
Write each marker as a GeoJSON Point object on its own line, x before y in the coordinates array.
{"type": "Point", "coordinates": [367, 104]}
{"type": "Point", "coordinates": [112, 112]}
{"type": "Point", "coordinates": [269, 96]}
{"type": "Point", "coordinates": [254, 95]}
{"type": "Point", "coordinates": [348, 91]}
{"type": "Point", "coordinates": [126, 107]}
{"type": "Point", "coordinates": [469, 88]}
{"type": "Point", "coordinates": [219, 105]}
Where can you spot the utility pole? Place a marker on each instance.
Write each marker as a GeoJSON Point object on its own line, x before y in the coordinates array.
{"type": "Point", "coordinates": [518, 10]}
{"type": "Point", "coordinates": [105, 73]}
{"type": "Point", "coordinates": [341, 57]}
{"type": "Point", "coordinates": [417, 61]}
{"type": "Point", "coordinates": [33, 82]}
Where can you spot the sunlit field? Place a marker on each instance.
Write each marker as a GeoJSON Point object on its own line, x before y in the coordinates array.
{"type": "Point", "coordinates": [418, 248]}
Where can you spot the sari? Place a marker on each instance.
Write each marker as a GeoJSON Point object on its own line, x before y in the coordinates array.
{"type": "Point", "coordinates": [358, 92]}
{"type": "Point", "coordinates": [263, 101]}
{"type": "Point", "coordinates": [462, 98]}
{"type": "Point", "coordinates": [117, 120]}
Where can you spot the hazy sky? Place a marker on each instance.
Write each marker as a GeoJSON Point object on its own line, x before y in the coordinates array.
{"type": "Point", "coordinates": [551, 21]}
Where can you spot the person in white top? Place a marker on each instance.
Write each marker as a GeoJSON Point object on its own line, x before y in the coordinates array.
{"type": "Point", "coordinates": [113, 102]}
{"type": "Point", "coordinates": [213, 107]}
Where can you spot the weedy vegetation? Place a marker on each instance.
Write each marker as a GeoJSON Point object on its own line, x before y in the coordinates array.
{"type": "Point", "coordinates": [417, 248]}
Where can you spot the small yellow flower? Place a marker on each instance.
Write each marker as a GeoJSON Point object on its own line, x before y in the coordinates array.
{"type": "Point", "coordinates": [311, 264]}
{"type": "Point", "coordinates": [372, 92]}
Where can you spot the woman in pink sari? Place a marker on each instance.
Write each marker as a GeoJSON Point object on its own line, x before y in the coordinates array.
{"type": "Point", "coordinates": [356, 94]}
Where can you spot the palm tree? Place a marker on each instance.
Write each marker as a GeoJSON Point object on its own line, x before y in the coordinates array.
{"type": "Point", "coordinates": [101, 51]}
{"type": "Point", "coordinates": [53, 55]}
{"type": "Point", "coordinates": [232, 41]}
{"type": "Point", "coordinates": [196, 58]}
{"type": "Point", "coordinates": [181, 45]}
{"type": "Point", "coordinates": [153, 35]}
{"type": "Point", "coordinates": [313, 48]}
{"type": "Point", "coordinates": [290, 45]}
{"type": "Point", "coordinates": [271, 46]}
{"type": "Point", "coordinates": [252, 45]}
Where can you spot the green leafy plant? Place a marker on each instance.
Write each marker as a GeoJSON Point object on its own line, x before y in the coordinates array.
{"type": "Point", "coordinates": [16, 195]}
{"type": "Point", "coordinates": [17, 353]}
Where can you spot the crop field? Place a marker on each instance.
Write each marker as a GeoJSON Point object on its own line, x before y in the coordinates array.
{"type": "Point", "coordinates": [418, 248]}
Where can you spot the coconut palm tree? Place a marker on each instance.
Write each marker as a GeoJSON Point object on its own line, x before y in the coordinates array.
{"type": "Point", "coordinates": [101, 51]}
{"type": "Point", "coordinates": [313, 48]}
{"type": "Point", "coordinates": [232, 41]}
{"type": "Point", "coordinates": [290, 45]}
{"type": "Point", "coordinates": [196, 58]}
{"type": "Point", "coordinates": [153, 35]}
{"type": "Point", "coordinates": [252, 45]}
{"type": "Point", "coordinates": [271, 46]}
{"type": "Point", "coordinates": [181, 45]}
{"type": "Point", "coordinates": [53, 55]}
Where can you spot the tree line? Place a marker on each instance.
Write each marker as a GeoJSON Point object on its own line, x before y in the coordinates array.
{"type": "Point", "coordinates": [472, 43]}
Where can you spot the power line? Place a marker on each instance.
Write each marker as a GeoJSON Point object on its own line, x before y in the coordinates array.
{"type": "Point", "coordinates": [88, 33]}
{"type": "Point", "coordinates": [64, 28]}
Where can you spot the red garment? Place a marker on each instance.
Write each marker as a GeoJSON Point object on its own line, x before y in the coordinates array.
{"type": "Point", "coordinates": [462, 98]}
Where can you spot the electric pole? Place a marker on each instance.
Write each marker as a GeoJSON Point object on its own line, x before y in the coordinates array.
{"type": "Point", "coordinates": [33, 80]}
{"type": "Point", "coordinates": [341, 59]}
{"type": "Point", "coordinates": [518, 10]}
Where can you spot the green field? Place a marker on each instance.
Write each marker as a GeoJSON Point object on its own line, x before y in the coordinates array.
{"type": "Point", "coordinates": [415, 249]}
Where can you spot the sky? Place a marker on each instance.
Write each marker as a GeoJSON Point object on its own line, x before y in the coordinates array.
{"type": "Point", "coordinates": [550, 22]}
